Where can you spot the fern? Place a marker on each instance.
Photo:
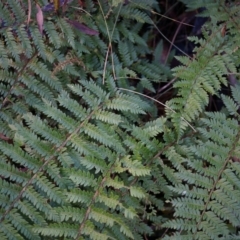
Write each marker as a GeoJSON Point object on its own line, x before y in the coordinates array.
{"type": "Point", "coordinates": [69, 171]}
{"type": "Point", "coordinates": [84, 155]}
{"type": "Point", "coordinates": [203, 170]}
{"type": "Point", "coordinates": [211, 181]}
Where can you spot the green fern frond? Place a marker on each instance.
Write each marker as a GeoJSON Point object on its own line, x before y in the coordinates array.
{"type": "Point", "coordinates": [206, 201]}
{"type": "Point", "coordinates": [84, 152]}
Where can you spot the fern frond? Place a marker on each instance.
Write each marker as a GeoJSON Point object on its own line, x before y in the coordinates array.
{"type": "Point", "coordinates": [205, 201]}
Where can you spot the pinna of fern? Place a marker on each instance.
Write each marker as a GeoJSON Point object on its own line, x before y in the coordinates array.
{"type": "Point", "coordinates": [203, 74]}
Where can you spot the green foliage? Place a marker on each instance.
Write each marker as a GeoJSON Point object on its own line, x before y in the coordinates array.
{"type": "Point", "coordinates": [84, 155]}
{"type": "Point", "coordinates": [204, 172]}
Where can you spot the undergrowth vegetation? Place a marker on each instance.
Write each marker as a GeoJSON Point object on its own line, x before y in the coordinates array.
{"type": "Point", "coordinates": [87, 149]}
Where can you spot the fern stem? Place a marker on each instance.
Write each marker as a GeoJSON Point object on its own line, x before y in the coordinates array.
{"type": "Point", "coordinates": [96, 194]}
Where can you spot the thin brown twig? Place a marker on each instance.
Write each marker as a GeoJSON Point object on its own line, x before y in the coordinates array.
{"type": "Point", "coordinates": [29, 12]}
{"type": "Point", "coordinates": [110, 41]}
{"type": "Point", "coordinates": [167, 85]}
{"type": "Point", "coordinates": [160, 32]}
{"type": "Point", "coordinates": [162, 15]}
{"type": "Point", "coordinates": [174, 20]}
{"type": "Point", "coordinates": [173, 40]}
{"type": "Point", "coordinates": [124, 89]}
{"type": "Point", "coordinates": [105, 62]}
